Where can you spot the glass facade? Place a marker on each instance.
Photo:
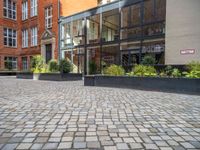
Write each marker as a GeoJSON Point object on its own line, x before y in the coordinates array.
{"type": "Point", "coordinates": [119, 33]}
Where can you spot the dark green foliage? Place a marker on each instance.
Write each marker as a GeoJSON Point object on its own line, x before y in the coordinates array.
{"type": "Point", "coordinates": [92, 67]}
{"type": "Point", "coordinates": [148, 60]}
{"type": "Point", "coordinates": [53, 66]}
{"type": "Point", "coordinates": [65, 66]}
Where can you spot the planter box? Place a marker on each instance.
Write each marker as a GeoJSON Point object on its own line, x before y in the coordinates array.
{"type": "Point", "coordinates": [178, 85]}
{"type": "Point", "coordinates": [50, 76]}
{"type": "Point", "coordinates": [24, 75]}
{"type": "Point", "coordinates": [5, 73]}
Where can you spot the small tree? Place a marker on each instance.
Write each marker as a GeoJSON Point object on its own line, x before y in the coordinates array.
{"type": "Point", "coordinates": [53, 66]}
{"type": "Point", "coordinates": [65, 66]}
{"type": "Point", "coordinates": [148, 60]}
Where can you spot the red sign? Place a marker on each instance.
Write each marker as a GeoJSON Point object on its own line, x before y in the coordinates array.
{"type": "Point", "coordinates": [187, 51]}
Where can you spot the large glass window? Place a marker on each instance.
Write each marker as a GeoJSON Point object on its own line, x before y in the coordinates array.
{"type": "Point", "coordinates": [25, 38]}
{"type": "Point", "coordinates": [24, 10]}
{"type": "Point", "coordinates": [110, 55]}
{"type": "Point", "coordinates": [34, 36]}
{"type": "Point", "coordinates": [78, 32]}
{"type": "Point", "coordinates": [10, 63]}
{"type": "Point", "coordinates": [10, 37]}
{"type": "Point", "coordinates": [130, 53]}
{"type": "Point", "coordinates": [24, 63]}
{"type": "Point", "coordinates": [48, 17]}
{"type": "Point", "coordinates": [93, 60]}
{"type": "Point", "coordinates": [154, 48]}
{"type": "Point", "coordinates": [130, 22]}
{"type": "Point", "coordinates": [66, 35]}
{"type": "Point", "coordinates": [110, 23]}
{"type": "Point", "coordinates": [93, 29]}
{"type": "Point", "coordinates": [9, 9]}
{"type": "Point", "coordinates": [34, 4]}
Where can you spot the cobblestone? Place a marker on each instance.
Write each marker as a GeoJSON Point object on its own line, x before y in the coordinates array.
{"type": "Point", "coordinates": [67, 115]}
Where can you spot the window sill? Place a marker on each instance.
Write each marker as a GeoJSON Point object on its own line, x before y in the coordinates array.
{"type": "Point", "coordinates": [10, 19]}
{"type": "Point", "coordinates": [10, 47]}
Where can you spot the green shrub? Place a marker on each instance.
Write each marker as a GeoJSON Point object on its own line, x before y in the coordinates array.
{"type": "Point", "coordinates": [148, 60]}
{"type": "Point", "coordinates": [143, 71]}
{"type": "Point", "coordinates": [114, 70]}
{"type": "Point", "coordinates": [43, 69]}
{"type": "Point", "coordinates": [169, 70]}
{"type": "Point", "coordinates": [194, 70]}
{"type": "Point", "coordinates": [53, 66]}
{"type": "Point", "coordinates": [92, 67]}
{"type": "Point", "coordinates": [65, 66]}
{"type": "Point", "coordinates": [38, 65]}
{"type": "Point", "coordinates": [37, 61]}
{"type": "Point", "coordinates": [176, 73]}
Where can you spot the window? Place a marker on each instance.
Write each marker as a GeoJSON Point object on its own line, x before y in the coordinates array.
{"type": "Point", "coordinates": [24, 63]}
{"type": "Point", "coordinates": [24, 38]}
{"type": "Point", "coordinates": [10, 37]}
{"type": "Point", "coordinates": [9, 9]}
{"type": "Point", "coordinates": [25, 10]}
{"type": "Point", "coordinates": [34, 36]}
{"type": "Point", "coordinates": [33, 8]}
{"type": "Point", "coordinates": [10, 63]}
{"type": "Point", "coordinates": [48, 17]}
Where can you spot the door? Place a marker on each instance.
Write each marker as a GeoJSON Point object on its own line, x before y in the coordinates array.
{"type": "Point", "coordinates": [48, 52]}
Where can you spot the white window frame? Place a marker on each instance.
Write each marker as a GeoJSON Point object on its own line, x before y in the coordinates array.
{"type": "Point", "coordinates": [48, 17]}
{"type": "Point", "coordinates": [10, 36]}
{"type": "Point", "coordinates": [34, 36]}
{"type": "Point", "coordinates": [34, 8]}
{"type": "Point", "coordinates": [24, 10]}
{"type": "Point", "coordinates": [12, 9]}
{"type": "Point", "coordinates": [25, 38]}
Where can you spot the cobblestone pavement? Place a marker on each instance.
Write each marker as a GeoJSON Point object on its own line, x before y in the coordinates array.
{"type": "Point", "coordinates": [67, 115]}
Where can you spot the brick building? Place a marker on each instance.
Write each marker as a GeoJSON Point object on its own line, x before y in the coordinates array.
{"type": "Point", "coordinates": [30, 27]}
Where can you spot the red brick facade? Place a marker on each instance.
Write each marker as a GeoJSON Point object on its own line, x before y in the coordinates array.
{"type": "Point", "coordinates": [67, 7]}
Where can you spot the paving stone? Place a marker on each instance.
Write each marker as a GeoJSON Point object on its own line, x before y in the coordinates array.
{"type": "Point", "coordinates": [94, 145]}
{"type": "Point", "coordinates": [79, 144]}
{"type": "Point", "coordinates": [50, 146]}
{"type": "Point", "coordinates": [110, 148]}
{"type": "Point", "coordinates": [10, 146]}
{"type": "Point", "coordinates": [136, 145]}
{"type": "Point", "coordinates": [24, 146]}
{"type": "Point", "coordinates": [37, 146]}
{"type": "Point", "coordinates": [65, 145]}
{"type": "Point", "coordinates": [122, 146]}
{"type": "Point", "coordinates": [150, 146]}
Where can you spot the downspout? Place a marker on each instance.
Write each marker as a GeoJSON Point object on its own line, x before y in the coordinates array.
{"type": "Point", "coordinates": [59, 21]}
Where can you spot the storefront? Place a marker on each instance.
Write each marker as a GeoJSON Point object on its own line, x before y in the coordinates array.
{"type": "Point", "coordinates": [121, 33]}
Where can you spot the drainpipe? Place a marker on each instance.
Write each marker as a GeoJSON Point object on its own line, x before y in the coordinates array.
{"type": "Point", "coordinates": [59, 21]}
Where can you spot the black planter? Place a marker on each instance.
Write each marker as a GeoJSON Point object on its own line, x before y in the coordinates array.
{"type": "Point", "coordinates": [178, 85]}
{"type": "Point", "coordinates": [7, 73]}
{"type": "Point", "coordinates": [24, 75]}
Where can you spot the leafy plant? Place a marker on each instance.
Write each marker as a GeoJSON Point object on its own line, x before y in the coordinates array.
{"type": "Point", "coordinates": [8, 65]}
{"type": "Point", "coordinates": [194, 70]}
{"type": "Point", "coordinates": [43, 69]}
{"type": "Point", "coordinates": [169, 70]}
{"type": "Point", "coordinates": [92, 67]}
{"type": "Point", "coordinates": [37, 61]}
{"type": "Point", "coordinates": [114, 70]}
{"type": "Point", "coordinates": [176, 73]}
{"type": "Point", "coordinates": [148, 60]}
{"type": "Point", "coordinates": [65, 66]}
{"type": "Point", "coordinates": [53, 66]}
{"type": "Point", "coordinates": [143, 71]}
{"type": "Point", "coordinates": [38, 65]}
